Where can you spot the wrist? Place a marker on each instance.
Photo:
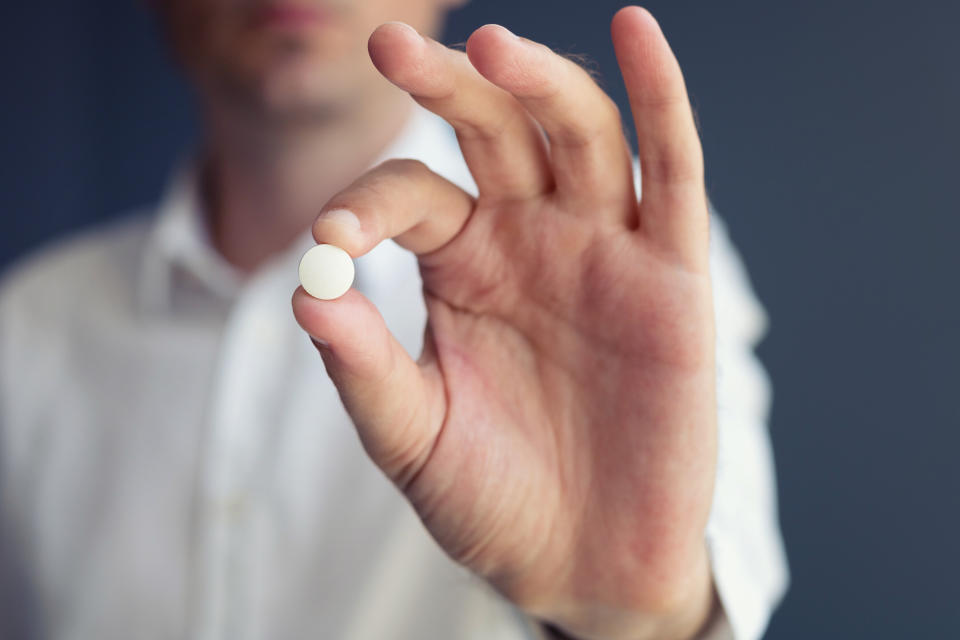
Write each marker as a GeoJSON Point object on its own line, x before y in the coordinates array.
{"type": "Point", "coordinates": [682, 613]}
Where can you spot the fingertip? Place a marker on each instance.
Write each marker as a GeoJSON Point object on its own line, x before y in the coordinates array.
{"type": "Point", "coordinates": [489, 34]}
{"type": "Point", "coordinates": [394, 31]}
{"type": "Point", "coordinates": [642, 47]}
{"type": "Point", "coordinates": [349, 325]}
{"type": "Point", "coordinates": [632, 24]}
{"type": "Point", "coordinates": [304, 310]}
{"type": "Point", "coordinates": [358, 350]}
{"type": "Point", "coordinates": [414, 63]}
{"type": "Point", "coordinates": [394, 47]}
{"type": "Point", "coordinates": [482, 46]}
{"type": "Point", "coordinates": [342, 228]}
{"type": "Point", "coordinates": [319, 318]}
{"type": "Point", "coordinates": [509, 61]}
{"type": "Point", "coordinates": [635, 14]}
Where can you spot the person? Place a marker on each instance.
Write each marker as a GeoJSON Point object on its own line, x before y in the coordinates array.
{"type": "Point", "coordinates": [579, 450]}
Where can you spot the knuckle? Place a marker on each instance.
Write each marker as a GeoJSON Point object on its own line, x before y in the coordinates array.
{"type": "Point", "coordinates": [610, 117]}
{"type": "Point", "coordinates": [409, 453]}
{"type": "Point", "coordinates": [543, 86]}
{"type": "Point", "coordinates": [612, 110]}
{"type": "Point", "coordinates": [382, 183]}
{"type": "Point", "coordinates": [608, 123]}
{"type": "Point", "coordinates": [490, 124]}
{"type": "Point", "coordinates": [673, 167]}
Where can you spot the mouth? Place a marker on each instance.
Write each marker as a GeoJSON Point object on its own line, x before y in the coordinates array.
{"type": "Point", "coordinates": [288, 15]}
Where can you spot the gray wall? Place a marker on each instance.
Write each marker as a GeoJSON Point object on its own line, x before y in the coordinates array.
{"type": "Point", "coordinates": [831, 142]}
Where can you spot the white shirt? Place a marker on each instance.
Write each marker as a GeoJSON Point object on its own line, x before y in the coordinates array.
{"type": "Point", "coordinates": [175, 463]}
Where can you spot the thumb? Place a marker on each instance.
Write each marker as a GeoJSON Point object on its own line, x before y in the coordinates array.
{"type": "Point", "coordinates": [396, 404]}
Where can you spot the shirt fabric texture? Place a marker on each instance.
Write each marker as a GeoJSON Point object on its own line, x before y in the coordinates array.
{"type": "Point", "coordinates": [175, 462]}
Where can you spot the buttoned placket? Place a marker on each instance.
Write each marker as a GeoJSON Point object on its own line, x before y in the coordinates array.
{"type": "Point", "coordinates": [252, 361]}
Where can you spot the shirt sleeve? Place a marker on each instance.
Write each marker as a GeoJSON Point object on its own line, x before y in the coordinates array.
{"type": "Point", "coordinates": [743, 534]}
{"type": "Point", "coordinates": [19, 611]}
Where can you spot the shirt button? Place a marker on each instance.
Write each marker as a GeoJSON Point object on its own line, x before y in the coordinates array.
{"type": "Point", "coordinates": [236, 506]}
{"type": "Point", "coordinates": [264, 332]}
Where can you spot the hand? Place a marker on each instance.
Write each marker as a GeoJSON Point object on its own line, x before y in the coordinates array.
{"type": "Point", "coordinates": [558, 433]}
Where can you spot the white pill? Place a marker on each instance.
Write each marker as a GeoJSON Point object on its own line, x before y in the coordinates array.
{"type": "Point", "coordinates": [326, 271]}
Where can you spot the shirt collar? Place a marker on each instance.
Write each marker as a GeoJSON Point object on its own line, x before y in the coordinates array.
{"type": "Point", "coordinates": [178, 243]}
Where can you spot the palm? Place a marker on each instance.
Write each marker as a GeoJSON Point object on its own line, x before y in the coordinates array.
{"type": "Point", "coordinates": [557, 435]}
{"type": "Point", "coordinates": [562, 372]}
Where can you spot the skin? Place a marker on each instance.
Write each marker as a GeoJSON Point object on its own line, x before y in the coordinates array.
{"type": "Point", "coordinates": [293, 111]}
{"type": "Point", "coordinates": [558, 433]}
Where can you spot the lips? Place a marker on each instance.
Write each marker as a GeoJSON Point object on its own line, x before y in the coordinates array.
{"type": "Point", "coordinates": [284, 14]}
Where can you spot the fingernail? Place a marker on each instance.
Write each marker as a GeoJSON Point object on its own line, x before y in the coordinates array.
{"type": "Point", "coordinates": [319, 344]}
{"type": "Point", "coordinates": [343, 217]}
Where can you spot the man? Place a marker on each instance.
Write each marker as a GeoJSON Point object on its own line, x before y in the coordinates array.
{"type": "Point", "coordinates": [176, 464]}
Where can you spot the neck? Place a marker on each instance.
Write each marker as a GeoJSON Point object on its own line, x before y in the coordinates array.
{"type": "Point", "coordinates": [264, 183]}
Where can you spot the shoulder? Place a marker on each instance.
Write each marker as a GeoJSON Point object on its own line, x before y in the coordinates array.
{"type": "Point", "coordinates": [58, 298]}
{"type": "Point", "coordinates": [53, 300]}
{"type": "Point", "coordinates": [75, 271]}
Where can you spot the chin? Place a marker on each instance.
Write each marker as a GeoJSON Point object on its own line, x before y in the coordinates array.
{"type": "Point", "coordinates": [303, 93]}
{"type": "Point", "coordinates": [294, 76]}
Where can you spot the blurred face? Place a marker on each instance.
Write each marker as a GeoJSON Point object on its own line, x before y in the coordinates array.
{"type": "Point", "coordinates": [287, 58]}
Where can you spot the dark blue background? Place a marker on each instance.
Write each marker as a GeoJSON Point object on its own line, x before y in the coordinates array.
{"type": "Point", "coordinates": [832, 146]}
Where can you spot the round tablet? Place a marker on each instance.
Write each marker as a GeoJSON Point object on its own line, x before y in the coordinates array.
{"type": "Point", "coordinates": [326, 271]}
